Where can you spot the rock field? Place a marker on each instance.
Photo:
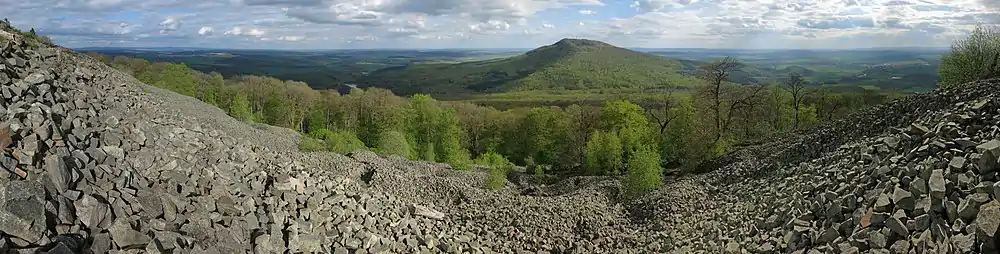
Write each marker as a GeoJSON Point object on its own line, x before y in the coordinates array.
{"type": "Point", "coordinates": [92, 161]}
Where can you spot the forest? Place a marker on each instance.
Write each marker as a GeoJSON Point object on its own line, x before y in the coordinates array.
{"type": "Point", "coordinates": [674, 129]}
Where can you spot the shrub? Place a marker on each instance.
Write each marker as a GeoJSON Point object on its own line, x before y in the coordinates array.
{"type": "Point", "coordinates": [603, 154]}
{"type": "Point", "coordinates": [308, 144]}
{"type": "Point", "coordinates": [644, 172]}
{"type": "Point", "coordinates": [393, 143]}
{"type": "Point", "coordinates": [321, 134]}
{"type": "Point", "coordinates": [498, 165]}
{"type": "Point", "coordinates": [344, 142]}
{"type": "Point", "coordinates": [974, 58]}
{"type": "Point", "coordinates": [497, 178]}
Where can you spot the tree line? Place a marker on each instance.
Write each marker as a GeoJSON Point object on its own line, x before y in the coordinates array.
{"type": "Point", "coordinates": [676, 130]}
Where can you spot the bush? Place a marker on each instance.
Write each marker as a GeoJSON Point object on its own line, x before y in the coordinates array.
{"type": "Point", "coordinates": [603, 154]}
{"type": "Point", "coordinates": [308, 144]}
{"type": "Point", "coordinates": [644, 172]}
{"type": "Point", "coordinates": [344, 142]}
{"type": "Point", "coordinates": [393, 143]}
{"type": "Point", "coordinates": [498, 165]}
{"type": "Point", "coordinates": [974, 58]}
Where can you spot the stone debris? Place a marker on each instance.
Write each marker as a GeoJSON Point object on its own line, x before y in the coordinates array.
{"type": "Point", "coordinates": [97, 162]}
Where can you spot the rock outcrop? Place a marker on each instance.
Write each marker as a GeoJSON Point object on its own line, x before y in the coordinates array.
{"type": "Point", "coordinates": [93, 161]}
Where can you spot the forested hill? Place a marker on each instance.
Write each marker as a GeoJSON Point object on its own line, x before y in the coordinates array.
{"type": "Point", "coordinates": [567, 64]}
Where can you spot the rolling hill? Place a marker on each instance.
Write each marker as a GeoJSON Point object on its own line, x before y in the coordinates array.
{"type": "Point", "coordinates": [569, 64]}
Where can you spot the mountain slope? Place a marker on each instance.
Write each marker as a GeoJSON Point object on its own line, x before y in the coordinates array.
{"type": "Point", "coordinates": [567, 64]}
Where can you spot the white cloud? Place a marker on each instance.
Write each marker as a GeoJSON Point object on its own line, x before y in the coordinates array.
{"type": "Point", "coordinates": [501, 23]}
{"type": "Point", "coordinates": [291, 38]}
{"type": "Point", "coordinates": [238, 31]}
{"type": "Point", "coordinates": [170, 24]}
{"type": "Point", "coordinates": [206, 30]}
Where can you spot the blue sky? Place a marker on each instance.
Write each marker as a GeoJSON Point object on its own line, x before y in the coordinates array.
{"type": "Point", "coordinates": [340, 24]}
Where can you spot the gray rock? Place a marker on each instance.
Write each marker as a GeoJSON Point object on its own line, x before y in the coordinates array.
{"type": "Point", "coordinates": [990, 153]}
{"type": "Point", "coordinates": [877, 239]}
{"type": "Point", "coordinates": [125, 237]}
{"type": "Point", "coordinates": [970, 206]}
{"type": "Point", "coordinates": [22, 212]}
{"type": "Point", "coordinates": [427, 212]}
{"type": "Point", "coordinates": [963, 243]}
{"type": "Point", "coordinates": [988, 222]}
{"type": "Point", "coordinates": [900, 247]}
{"type": "Point", "coordinates": [92, 212]}
{"type": "Point", "coordinates": [897, 227]}
{"type": "Point", "coordinates": [937, 184]}
{"type": "Point", "coordinates": [58, 173]}
{"type": "Point", "coordinates": [903, 199]}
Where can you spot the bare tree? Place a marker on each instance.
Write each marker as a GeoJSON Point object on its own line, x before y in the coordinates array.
{"type": "Point", "coordinates": [715, 74]}
{"type": "Point", "coordinates": [659, 108]}
{"type": "Point", "coordinates": [796, 85]}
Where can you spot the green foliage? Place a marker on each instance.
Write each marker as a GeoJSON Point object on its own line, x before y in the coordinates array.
{"type": "Point", "coordinates": [240, 107]}
{"type": "Point", "coordinates": [578, 139]}
{"type": "Point", "coordinates": [344, 142]}
{"type": "Point", "coordinates": [604, 154]}
{"type": "Point", "coordinates": [393, 143]}
{"type": "Point", "coordinates": [644, 172]}
{"type": "Point", "coordinates": [308, 144]}
{"type": "Point", "coordinates": [435, 132]}
{"type": "Point", "coordinates": [568, 64]}
{"type": "Point", "coordinates": [499, 166]}
{"type": "Point", "coordinates": [674, 141]}
{"type": "Point", "coordinates": [628, 121]}
{"type": "Point", "coordinates": [32, 39]}
{"type": "Point", "coordinates": [973, 58]}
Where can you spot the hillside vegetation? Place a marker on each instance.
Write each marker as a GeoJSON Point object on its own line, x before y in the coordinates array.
{"type": "Point", "coordinates": [570, 64]}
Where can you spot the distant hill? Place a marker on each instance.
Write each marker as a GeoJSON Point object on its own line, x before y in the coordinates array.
{"type": "Point", "coordinates": [567, 64]}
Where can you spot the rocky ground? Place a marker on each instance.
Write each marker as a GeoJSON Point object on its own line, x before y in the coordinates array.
{"type": "Point", "coordinates": [96, 162]}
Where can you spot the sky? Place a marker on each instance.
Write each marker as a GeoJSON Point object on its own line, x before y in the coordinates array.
{"type": "Point", "coordinates": [358, 24]}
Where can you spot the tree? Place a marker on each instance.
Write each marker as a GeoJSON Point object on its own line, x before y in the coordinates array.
{"type": "Point", "coordinates": [660, 110]}
{"type": "Point", "coordinates": [796, 86]}
{"type": "Point", "coordinates": [499, 166]}
{"type": "Point", "coordinates": [604, 154]}
{"type": "Point", "coordinates": [715, 74]}
{"type": "Point", "coordinates": [240, 107]}
{"type": "Point", "coordinates": [644, 172]}
{"type": "Point", "coordinates": [393, 143]}
{"type": "Point", "coordinates": [975, 57]}
{"type": "Point", "coordinates": [724, 99]}
{"type": "Point", "coordinates": [628, 121]}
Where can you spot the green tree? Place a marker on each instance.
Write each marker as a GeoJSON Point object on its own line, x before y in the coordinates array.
{"type": "Point", "coordinates": [423, 120]}
{"type": "Point", "coordinates": [644, 172]}
{"type": "Point", "coordinates": [240, 107]}
{"type": "Point", "coordinates": [448, 147]}
{"type": "Point", "coordinates": [628, 121]}
{"type": "Point", "coordinates": [673, 142]}
{"type": "Point", "coordinates": [499, 166]}
{"type": "Point", "coordinates": [393, 143]}
{"type": "Point", "coordinates": [344, 142]}
{"type": "Point", "coordinates": [604, 154]}
{"type": "Point", "coordinates": [973, 58]}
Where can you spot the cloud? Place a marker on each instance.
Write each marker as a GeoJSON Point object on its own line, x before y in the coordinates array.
{"type": "Point", "coordinates": [656, 5]}
{"type": "Point", "coordinates": [291, 38]}
{"type": "Point", "coordinates": [239, 31]}
{"type": "Point", "coordinates": [206, 30]}
{"type": "Point", "coordinates": [169, 24]}
{"type": "Point", "coordinates": [501, 23]}
{"type": "Point", "coordinates": [489, 27]}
